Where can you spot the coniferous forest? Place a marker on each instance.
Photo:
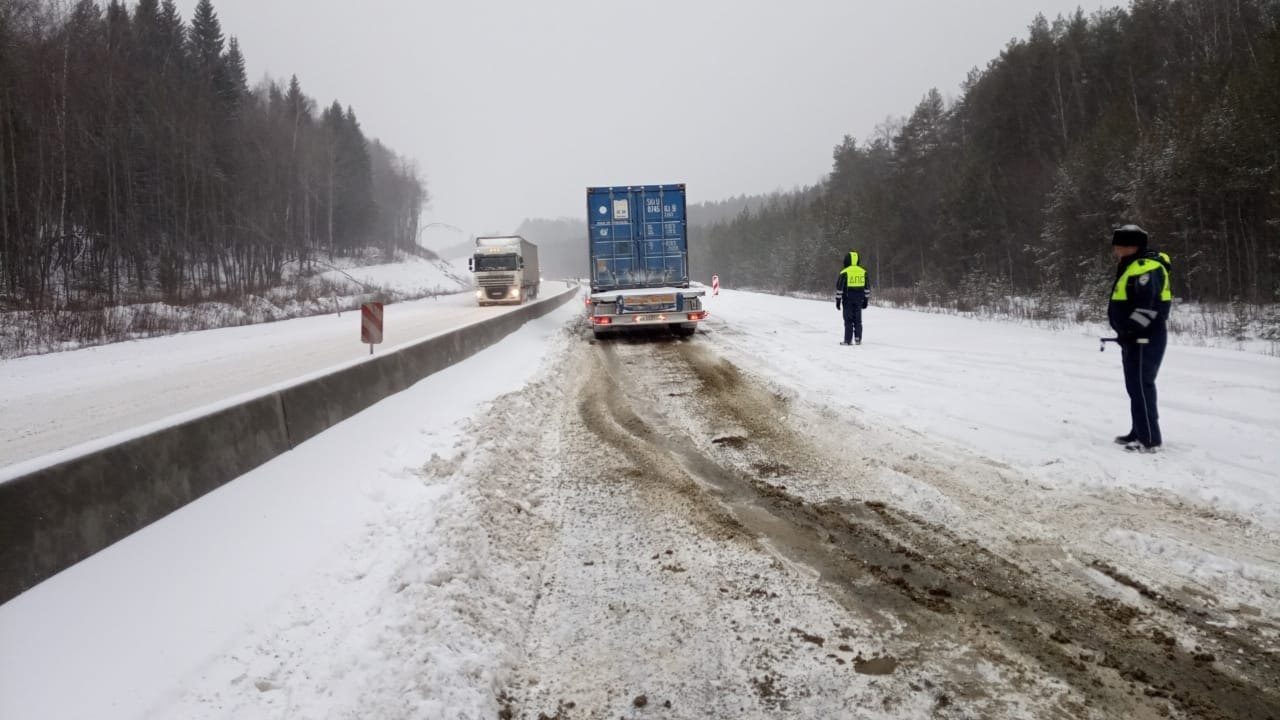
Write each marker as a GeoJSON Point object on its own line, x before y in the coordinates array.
{"type": "Point", "coordinates": [137, 162]}
{"type": "Point", "coordinates": [1165, 113]}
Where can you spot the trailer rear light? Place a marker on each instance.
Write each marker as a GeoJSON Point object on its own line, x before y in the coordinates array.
{"type": "Point", "coordinates": [698, 315]}
{"type": "Point", "coordinates": [601, 320]}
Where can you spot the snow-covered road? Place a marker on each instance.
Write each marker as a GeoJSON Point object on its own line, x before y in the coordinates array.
{"type": "Point", "coordinates": [53, 402]}
{"type": "Point", "coordinates": [752, 523]}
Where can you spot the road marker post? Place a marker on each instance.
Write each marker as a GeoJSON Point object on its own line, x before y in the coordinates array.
{"type": "Point", "coordinates": [371, 324]}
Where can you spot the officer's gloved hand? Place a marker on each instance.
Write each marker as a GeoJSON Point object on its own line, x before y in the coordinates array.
{"type": "Point", "coordinates": [837, 303]}
{"type": "Point", "coordinates": [865, 302]}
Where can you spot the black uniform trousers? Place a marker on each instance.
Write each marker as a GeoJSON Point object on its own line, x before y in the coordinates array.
{"type": "Point", "coordinates": [852, 320]}
{"type": "Point", "coordinates": [1141, 365]}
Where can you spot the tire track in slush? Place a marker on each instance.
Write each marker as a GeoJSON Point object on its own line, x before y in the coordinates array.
{"type": "Point", "coordinates": [877, 561]}
{"type": "Point", "coordinates": [653, 591]}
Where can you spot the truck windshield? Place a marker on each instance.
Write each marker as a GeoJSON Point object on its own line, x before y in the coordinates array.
{"type": "Point", "coordinates": [496, 262]}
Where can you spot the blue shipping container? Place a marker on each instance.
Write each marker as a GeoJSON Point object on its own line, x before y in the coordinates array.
{"type": "Point", "coordinates": [639, 237]}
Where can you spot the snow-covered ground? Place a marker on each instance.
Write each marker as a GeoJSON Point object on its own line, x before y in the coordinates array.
{"type": "Point", "coordinates": [1045, 401]}
{"type": "Point", "coordinates": [472, 546]}
{"type": "Point", "coordinates": [313, 535]}
{"type": "Point", "coordinates": [331, 286]}
{"type": "Point", "coordinates": [51, 403]}
{"type": "Point", "coordinates": [409, 276]}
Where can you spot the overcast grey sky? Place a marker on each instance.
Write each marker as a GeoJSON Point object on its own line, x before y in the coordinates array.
{"type": "Point", "coordinates": [511, 108]}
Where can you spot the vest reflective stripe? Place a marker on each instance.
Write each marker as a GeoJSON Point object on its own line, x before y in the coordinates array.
{"type": "Point", "coordinates": [1138, 267]}
{"type": "Point", "coordinates": [855, 277]}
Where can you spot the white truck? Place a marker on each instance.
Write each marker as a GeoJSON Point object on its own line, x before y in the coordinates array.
{"type": "Point", "coordinates": [505, 269]}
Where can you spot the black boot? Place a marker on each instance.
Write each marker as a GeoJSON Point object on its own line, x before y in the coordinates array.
{"type": "Point", "coordinates": [1126, 439]}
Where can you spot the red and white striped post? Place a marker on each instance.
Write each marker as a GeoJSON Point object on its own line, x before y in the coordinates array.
{"type": "Point", "coordinates": [371, 324]}
{"type": "Point", "coordinates": [715, 284]}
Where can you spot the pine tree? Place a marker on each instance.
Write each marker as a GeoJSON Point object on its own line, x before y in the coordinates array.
{"type": "Point", "coordinates": [237, 77]}
{"type": "Point", "coordinates": [206, 37]}
{"type": "Point", "coordinates": [358, 180]}
{"type": "Point", "coordinates": [172, 35]}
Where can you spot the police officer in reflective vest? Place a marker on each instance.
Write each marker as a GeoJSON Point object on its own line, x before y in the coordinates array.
{"type": "Point", "coordinates": [852, 296]}
{"type": "Point", "coordinates": [1139, 309]}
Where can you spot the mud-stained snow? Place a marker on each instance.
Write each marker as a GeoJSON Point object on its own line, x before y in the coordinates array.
{"type": "Point", "coordinates": [755, 522]}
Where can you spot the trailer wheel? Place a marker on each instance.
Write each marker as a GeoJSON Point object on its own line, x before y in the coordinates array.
{"type": "Point", "coordinates": [684, 330]}
{"type": "Point", "coordinates": [601, 334]}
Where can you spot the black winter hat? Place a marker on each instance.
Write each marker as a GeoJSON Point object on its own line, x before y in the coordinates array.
{"type": "Point", "coordinates": [1129, 236]}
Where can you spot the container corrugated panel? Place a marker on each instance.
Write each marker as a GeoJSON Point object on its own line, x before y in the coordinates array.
{"type": "Point", "coordinates": [639, 237]}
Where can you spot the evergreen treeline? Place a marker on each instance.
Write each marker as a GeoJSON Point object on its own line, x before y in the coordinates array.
{"type": "Point", "coordinates": [562, 243]}
{"type": "Point", "coordinates": [136, 162]}
{"type": "Point", "coordinates": [1166, 113]}
{"type": "Point", "coordinates": [715, 211]}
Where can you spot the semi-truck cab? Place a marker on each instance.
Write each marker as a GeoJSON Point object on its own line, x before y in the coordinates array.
{"type": "Point", "coordinates": [505, 269]}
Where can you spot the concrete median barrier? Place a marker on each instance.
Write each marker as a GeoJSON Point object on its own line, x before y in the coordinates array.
{"type": "Point", "coordinates": [57, 516]}
{"type": "Point", "coordinates": [54, 517]}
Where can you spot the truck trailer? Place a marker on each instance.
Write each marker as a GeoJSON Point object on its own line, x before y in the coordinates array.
{"type": "Point", "coordinates": [505, 269]}
{"type": "Point", "coordinates": [639, 254]}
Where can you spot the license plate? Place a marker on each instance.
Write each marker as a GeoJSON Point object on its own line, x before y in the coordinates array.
{"type": "Point", "coordinates": [642, 318]}
{"type": "Point", "coordinates": [652, 300]}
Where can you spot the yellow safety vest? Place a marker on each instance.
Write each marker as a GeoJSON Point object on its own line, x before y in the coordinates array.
{"type": "Point", "coordinates": [1142, 266]}
{"type": "Point", "coordinates": [854, 276]}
